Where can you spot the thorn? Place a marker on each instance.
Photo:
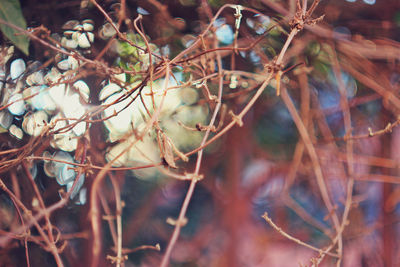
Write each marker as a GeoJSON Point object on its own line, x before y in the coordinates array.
{"type": "Point", "coordinates": [173, 222]}
{"type": "Point", "coordinates": [370, 133]}
{"type": "Point", "coordinates": [236, 119]}
{"type": "Point", "coordinates": [193, 176]}
{"type": "Point", "coordinates": [278, 82]}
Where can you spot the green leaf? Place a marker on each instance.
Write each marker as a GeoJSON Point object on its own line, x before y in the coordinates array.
{"type": "Point", "coordinates": [10, 11]}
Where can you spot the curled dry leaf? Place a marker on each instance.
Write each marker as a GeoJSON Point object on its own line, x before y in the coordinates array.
{"type": "Point", "coordinates": [167, 151]}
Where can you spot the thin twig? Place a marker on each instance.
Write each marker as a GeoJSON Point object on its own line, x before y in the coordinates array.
{"type": "Point", "coordinates": [298, 241]}
{"type": "Point", "coordinates": [189, 194]}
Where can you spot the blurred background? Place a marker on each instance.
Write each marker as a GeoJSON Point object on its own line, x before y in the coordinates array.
{"type": "Point", "coordinates": [344, 89]}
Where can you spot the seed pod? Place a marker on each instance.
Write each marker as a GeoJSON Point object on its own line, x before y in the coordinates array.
{"type": "Point", "coordinates": [18, 105]}
{"type": "Point", "coordinates": [17, 68]}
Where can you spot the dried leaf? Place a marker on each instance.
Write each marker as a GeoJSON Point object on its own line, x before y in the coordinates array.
{"type": "Point", "coordinates": [167, 151]}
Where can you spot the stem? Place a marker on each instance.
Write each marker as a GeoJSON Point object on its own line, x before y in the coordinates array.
{"type": "Point", "coordinates": [193, 182]}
